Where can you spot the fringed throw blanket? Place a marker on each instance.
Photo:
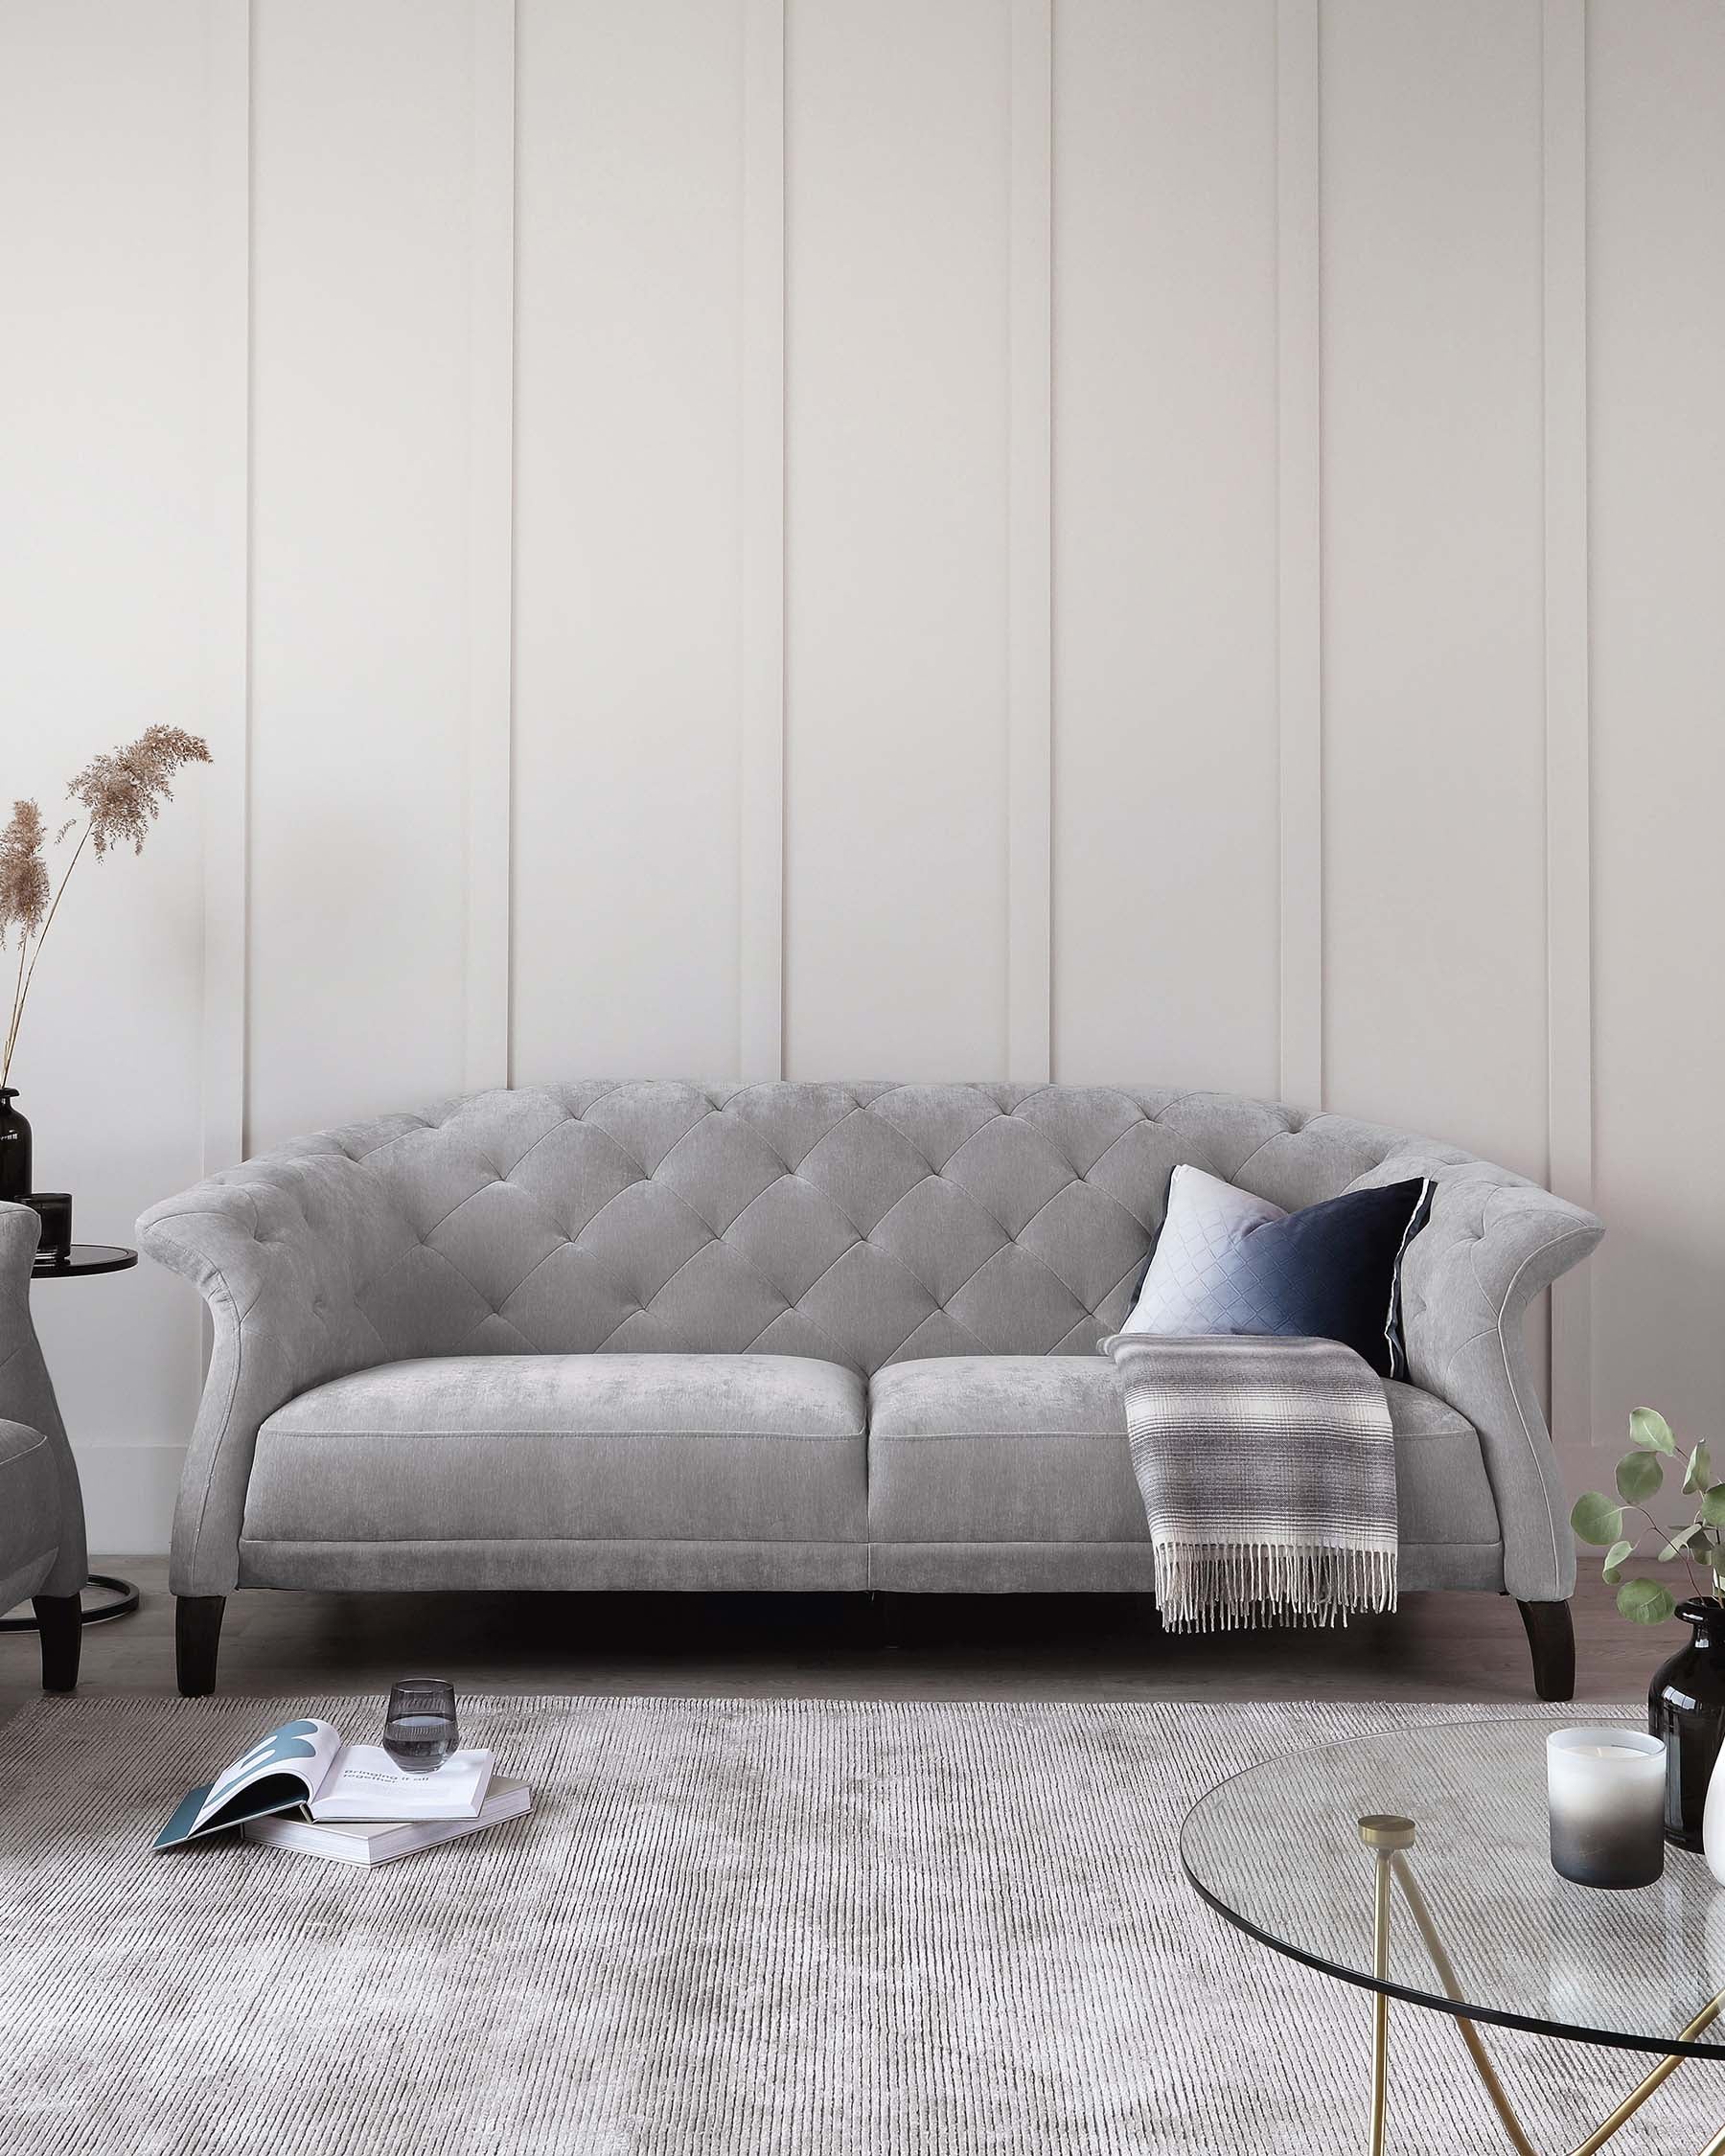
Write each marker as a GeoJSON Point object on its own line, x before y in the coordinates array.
{"type": "Point", "coordinates": [1268, 1476]}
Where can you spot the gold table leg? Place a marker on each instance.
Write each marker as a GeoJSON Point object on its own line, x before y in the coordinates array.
{"type": "Point", "coordinates": [1643, 2089]}
{"type": "Point", "coordinates": [1388, 1838]}
{"type": "Point", "coordinates": [1380, 2004]}
{"type": "Point", "coordinates": [1470, 2036]}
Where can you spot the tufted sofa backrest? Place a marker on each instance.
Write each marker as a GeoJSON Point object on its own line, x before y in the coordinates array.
{"type": "Point", "coordinates": [864, 1223]}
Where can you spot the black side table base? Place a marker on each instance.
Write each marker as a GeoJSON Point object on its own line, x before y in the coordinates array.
{"type": "Point", "coordinates": [119, 1598]}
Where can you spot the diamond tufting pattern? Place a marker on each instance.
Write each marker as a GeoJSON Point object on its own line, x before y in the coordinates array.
{"type": "Point", "coordinates": [860, 1224]}
{"type": "Point", "coordinates": [864, 1225]}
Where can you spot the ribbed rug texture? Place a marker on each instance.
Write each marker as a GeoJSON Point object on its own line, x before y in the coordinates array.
{"type": "Point", "coordinates": [752, 1926]}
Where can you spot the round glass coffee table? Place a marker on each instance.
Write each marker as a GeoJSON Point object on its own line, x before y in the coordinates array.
{"type": "Point", "coordinates": [1418, 1865]}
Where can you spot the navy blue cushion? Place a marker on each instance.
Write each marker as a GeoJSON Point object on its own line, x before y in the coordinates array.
{"type": "Point", "coordinates": [1227, 1262]}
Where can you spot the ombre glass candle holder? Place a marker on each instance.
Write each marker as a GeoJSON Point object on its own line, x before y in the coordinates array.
{"type": "Point", "coordinates": [1606, 1791]}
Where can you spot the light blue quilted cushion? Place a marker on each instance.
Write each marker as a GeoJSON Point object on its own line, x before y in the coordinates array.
{"type": "Point", "coordinates": [1195, 1284]}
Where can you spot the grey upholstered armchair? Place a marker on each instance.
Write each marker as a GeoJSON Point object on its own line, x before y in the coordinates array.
{"type": "Point", "coordinates": [41, 1510]}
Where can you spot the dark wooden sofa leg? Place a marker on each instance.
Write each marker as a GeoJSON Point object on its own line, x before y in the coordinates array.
{"type": "Point", "coordinates": [196, 1641]}
{"type": "Point", "coordinates": [59, 1625]}
{"type": "Point", "coordinates": [1552, 1636]}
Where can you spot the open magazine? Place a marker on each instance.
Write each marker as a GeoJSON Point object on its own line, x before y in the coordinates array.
{"type": "Point", "coordinates": [306, 1766]}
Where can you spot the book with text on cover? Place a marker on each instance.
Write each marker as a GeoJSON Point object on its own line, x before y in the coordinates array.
{"type": "Point", "coordinates": [366, 1783]}
{"type": "Point", "coordinates": [381, 1841]}
{"type": "Point", "coordinates": [304, 1765]}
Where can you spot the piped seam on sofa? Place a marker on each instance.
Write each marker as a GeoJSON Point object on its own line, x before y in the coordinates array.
{"type": "Point", "coordinates": [1109, 1542]}
{"type": "Point", "coordinates": [735, 1542]}
{"type": "Point", "coordinates": [1465, 1428]}
{"type": "Point", "coordinates": [994, 1436]}
{"type": "Point", "coordinates": [570, 1542]}
{"type": "Point", "coordinates": [1556, 1242]}
{"type": "Point", "coordinates": [790, 1437]}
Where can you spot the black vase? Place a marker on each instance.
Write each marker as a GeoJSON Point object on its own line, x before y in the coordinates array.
{"type": "Point", "coordinates": [14, 1149]}
{"type": "Point", "coordinates": [1686, 1705]}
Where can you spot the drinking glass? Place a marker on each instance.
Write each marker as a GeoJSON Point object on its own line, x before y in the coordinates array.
{"type": "Point", "coordinates": [420, 1730]}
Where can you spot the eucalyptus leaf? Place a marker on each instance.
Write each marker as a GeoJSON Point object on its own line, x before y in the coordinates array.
{"type": "Point", "coordinates": [1713, 1506]}
{"type": "Point", "coordinates": [1649, 1428]}
{"type": "Point", "coordinates": [1616, 1558]}
{"type": "Point", "coordinates": [1716, 1557]}
{"type": "Point", "coordinates": [1698, 1475]}
{"type": "Point", "coordinates": [1682, 1541]}
{"type": "Point", "coordinates": [1638, 1476]}
{"type": "Point", "coordinates": [1596, 1520]}
{"type": "Point", "coordinates": [1643, 1601]}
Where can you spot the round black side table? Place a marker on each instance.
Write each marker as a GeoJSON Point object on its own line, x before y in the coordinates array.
{"type": "Point", "coordinates": [120, 1597]}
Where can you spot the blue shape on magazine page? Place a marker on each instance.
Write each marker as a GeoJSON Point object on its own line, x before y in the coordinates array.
{"type": "Point", "coordinates": [280, 1773]}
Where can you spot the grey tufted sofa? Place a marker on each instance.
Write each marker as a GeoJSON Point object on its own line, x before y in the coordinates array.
{"type": "Point", "coordinates": [792, 1336]}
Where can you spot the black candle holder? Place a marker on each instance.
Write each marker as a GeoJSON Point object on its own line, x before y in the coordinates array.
{"type": "Point", "coordinates": [53, 1208]}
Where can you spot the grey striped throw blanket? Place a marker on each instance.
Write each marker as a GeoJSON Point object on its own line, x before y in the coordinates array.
{"type": "Point", "coordinates": [1268, 1476]}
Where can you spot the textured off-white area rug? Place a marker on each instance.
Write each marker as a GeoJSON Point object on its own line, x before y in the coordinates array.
{"type": "Point", "coordinates": [749, 1926]}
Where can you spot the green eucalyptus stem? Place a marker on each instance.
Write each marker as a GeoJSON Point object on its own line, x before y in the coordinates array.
{"type": "Point", "coordinates": [1602, 1520]}
{"type": "Point", "coordinates": [1688, 1566]}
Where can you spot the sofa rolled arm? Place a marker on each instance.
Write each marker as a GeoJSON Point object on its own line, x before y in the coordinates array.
{"type": "Point", "coordinates": [27, 1393]}
{"type": "Point", "coordinates": [275, 1248]}
{"type": "Point", "coordinates": [1491, 1243]}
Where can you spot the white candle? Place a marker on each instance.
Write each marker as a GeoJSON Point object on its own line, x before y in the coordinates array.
{"type": "Point", "coordinates": [1606, 1789]}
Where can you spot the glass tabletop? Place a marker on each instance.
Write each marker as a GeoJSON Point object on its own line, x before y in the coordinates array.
{"type": "Point", "coordinates": [1276, 1851]}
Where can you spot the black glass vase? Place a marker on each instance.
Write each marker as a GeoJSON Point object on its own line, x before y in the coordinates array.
{"type": "Point", "coordinates": [1686, 1705]}
{"type": "Point", "coordinates": [14, 1149]}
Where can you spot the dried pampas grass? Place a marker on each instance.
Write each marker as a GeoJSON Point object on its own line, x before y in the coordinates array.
{"type": "Point", "coordinates": [120, 796]}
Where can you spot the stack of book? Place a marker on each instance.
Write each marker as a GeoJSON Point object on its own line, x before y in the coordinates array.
{"type": "Point", "coordinates": [303, 1788]}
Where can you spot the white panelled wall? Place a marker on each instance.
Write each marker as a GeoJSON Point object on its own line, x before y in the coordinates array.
{"type": "Point", "coordinates": [1174, 541]}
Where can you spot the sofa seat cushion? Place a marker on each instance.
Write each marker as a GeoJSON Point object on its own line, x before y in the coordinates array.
{"type": "Point", "coordinates": [1031, 1448]}
{"type": "Point", "coordinates": [755, 1447]}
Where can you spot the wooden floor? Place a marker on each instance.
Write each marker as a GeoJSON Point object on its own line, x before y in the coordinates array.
{"type": "Point", "coordinates": [973, 1647]}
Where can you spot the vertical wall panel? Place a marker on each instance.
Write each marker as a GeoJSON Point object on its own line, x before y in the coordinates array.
{"type": "Point", "coordinates": [1568, 729]}
{"type": "Point", "coordinates": [761, 781]}
{"type": "Point", "coordinates": [1656, 87]}
{"type": "Point", "coordinates": [1299, 577]}
{"type": "Point", "coordinates": [362, 288]}
{"type": "Point", "coordinates": [225, 578]}
{"type": "Point", "coordinates": [1165, 796]}
{"type": "Point", "coordinates": [1433, 560]}
{"type": "Point", "coordinates": [486, 774]}
{"type": "Point", "coordinates": [897, 627]}
{"type": "Point", "coordinates": [1030, 547]}
{"type": "Point", "coordinates": [628, 570]}
{"type": "Point", "coordinates": [107, 254]}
